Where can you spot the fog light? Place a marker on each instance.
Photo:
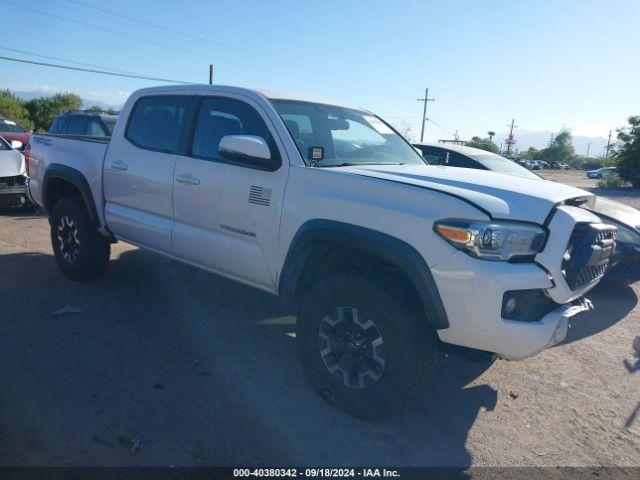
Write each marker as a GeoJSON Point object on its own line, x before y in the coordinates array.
{"type": "Point", "coordinates": [511, 305]}
{"type": "Point", "coordinates": [526, 305]}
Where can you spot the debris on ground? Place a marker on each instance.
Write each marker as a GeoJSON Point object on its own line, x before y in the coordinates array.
{"type": "Point", "coordinates": [134, 444]}
{"type": "Point", "coordinates": [513, 395]}
{"type": "Point", "coordinates": [66, 311]}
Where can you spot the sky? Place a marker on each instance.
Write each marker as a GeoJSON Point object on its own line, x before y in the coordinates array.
{"type": "Point", "coordinates": [548, 64]}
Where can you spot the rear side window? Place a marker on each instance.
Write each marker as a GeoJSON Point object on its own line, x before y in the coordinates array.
{"type": "Point", "coordinates": [58, 125]}
{"type": "Point", "coordinates": [156, 123]}
{"type": "Point", "coordinates": [76, 125]}
{"type": "Point", "coordinates": [226, 116]}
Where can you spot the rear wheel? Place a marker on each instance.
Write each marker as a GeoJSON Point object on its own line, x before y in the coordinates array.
{"type": "Point", "coordinates": [363, 351]}
{"type": "Point", "coordinates": [81, 252]}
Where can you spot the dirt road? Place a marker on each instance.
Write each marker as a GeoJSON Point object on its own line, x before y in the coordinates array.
{"type": "Point", "coordinates": [167, 365]}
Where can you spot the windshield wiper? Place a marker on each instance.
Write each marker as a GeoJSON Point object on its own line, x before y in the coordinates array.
{"type": "Point", "coordinates": [348, 164]}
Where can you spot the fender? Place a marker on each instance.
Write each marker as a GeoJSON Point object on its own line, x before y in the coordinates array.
{"type": "Point", "coordinates": [77, 179]}
{"type": "Point", "coordinates": [391, 249]}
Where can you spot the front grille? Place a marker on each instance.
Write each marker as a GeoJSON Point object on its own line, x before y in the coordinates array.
{"type": "Point", "coordinates": [588, 253]}
{"type": "Point", "coordinates": [16, 181]}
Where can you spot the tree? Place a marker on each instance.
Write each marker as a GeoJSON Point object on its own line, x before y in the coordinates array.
{"type": "Point", "coordinates": [560, 149]}
{"type": "Point", "coordinates": [483, 144]}
{"type": "Point", "coordinates": [491, 135]}
{"type": "Point", "coordinates": [14, 108]}
{"type": "Point", "coordinates": [42, 110]}
{"type": "Point", "coordinates": [629, 151]}
{"type": "Point", "coordinates": [530, 154]}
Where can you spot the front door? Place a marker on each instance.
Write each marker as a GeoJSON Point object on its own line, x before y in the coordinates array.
{"type": "Point", "coordinates": [227, 215]}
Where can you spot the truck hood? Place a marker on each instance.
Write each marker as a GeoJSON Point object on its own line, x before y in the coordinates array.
{"type": "Point", "coordinates": [501, 195]}
{"type": "Point", "coordinates": [11, 163]}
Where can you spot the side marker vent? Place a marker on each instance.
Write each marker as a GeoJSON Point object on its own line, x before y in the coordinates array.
{"type": "Point", "coordinates": [260, 196]}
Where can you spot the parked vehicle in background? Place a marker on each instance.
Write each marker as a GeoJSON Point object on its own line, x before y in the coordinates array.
{"type": "Point", "coordinates": [535, 165]}
{"type": "Point", "coordinates": [13, 175]}
{"type": "Point", "coordinates": [469, 157]}
{"type": "Point", "coordinates": [330, 208]}
{"type": "Point", "coordinates": [11, 130]}
{"type": "Point", "coordinates": [564, 166]}
{"type": "Point", "coordinates": [84, 123]}
{"type": "Point", "coordinates": [625, 265]}
{"type": "Point", "coordinates": [600, 172]}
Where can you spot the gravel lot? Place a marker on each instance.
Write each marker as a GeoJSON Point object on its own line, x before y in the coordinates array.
{"type": "Point", "coordinates": [167, 365]}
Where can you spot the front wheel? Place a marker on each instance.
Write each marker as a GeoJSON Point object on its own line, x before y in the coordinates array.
{"type": "Point", "coordinates": [82, 253]}
{"type": "Point", "coordinates": [364, 352]}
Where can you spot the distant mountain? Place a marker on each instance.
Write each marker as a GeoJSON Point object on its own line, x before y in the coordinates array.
{"type": "Point", "coordinates": [540, 139]}
{"type": "Point", "coordinates": [86, 102]}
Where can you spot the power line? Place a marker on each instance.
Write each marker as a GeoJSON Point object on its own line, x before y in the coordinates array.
{"type": "Point", "coordinates": [160, 44]}
{"type": "Point", "coordinates": [48, 57]}
{"type": "Point", "coordinates": [211, 42]}
{"type": "Point", "coordinates": [101, 72]}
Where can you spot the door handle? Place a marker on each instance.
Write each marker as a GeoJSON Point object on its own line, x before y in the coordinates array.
{"type": "Point", "coordinates": [119, 165]}
{"type": "Point", "coordinates": [187, 179]}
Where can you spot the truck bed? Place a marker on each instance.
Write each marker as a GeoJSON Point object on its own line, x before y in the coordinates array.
{"type": "Point", "coordinates": [68, 152]}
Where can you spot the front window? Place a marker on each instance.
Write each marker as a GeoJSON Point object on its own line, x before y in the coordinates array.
{"type": "Point", "coordinates": [7, 125]}
{"type": "Point", "coordinates": [331, 136]}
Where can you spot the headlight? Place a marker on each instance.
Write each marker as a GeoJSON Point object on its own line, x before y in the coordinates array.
{"type": "Point", "coordinates": [500, 240]}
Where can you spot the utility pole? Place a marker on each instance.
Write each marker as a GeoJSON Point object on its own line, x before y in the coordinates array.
{"type": "Point", "coordinates": [606, 155]}
{"type": "Point", "coordinates": [210, 74]}
{"type": "Point", "coordinates": [551, 139]}
{"type": "Point", "coordinates": [588, 148]}
{"type": "Point", "coordinates": [510, 141]}
{"type": "Point", "coordinates": [424, 110]}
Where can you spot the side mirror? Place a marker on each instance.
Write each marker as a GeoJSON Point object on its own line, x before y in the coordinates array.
{"type": "Point", "coordinates": [16, 144]}
{"type": "Point", "coordinates": [245, 149]}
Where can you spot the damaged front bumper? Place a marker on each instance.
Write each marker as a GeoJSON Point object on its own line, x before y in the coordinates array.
{"type": "Point", "coordinates": [14, 191]}
{"type": "Point", "coordinates": [558, 323]}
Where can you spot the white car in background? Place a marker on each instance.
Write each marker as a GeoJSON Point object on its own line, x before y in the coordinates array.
{"type": "Point", "coordinates": [601, 172]}
{"type": "Point", "coordinates": [13, 175]}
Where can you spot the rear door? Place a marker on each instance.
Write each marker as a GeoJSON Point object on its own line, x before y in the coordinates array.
{"type": "Point", "coordinates": [227, 215]}
{"type": "Point", "coordinates": [139, 168]}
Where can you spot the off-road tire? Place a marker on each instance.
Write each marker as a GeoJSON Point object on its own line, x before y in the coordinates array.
{"type": "Point", "coordinates": [90, 257]}
{"type": "Point", "coordinates": [409, 346]}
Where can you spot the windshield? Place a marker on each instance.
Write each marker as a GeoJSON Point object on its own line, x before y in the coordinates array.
{"type": "Point", "coordinates": [330, 136]}
{"type": "Point", "coordinates": [7, 125]}
{"type": "Point", "coordinates": [4, 145]}
{"type": "Point", "coordinates": [504, 165]}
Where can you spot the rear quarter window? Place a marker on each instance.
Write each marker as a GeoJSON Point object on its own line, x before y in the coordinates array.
{"type": "Point", "coordinates": [156, 122]}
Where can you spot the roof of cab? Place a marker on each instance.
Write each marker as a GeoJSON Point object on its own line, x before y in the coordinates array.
{"type": "Point", "coordinates": [266, 93]}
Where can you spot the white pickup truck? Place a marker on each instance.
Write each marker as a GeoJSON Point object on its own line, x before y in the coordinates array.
{"type": "Point", "coordinates": [330, 208]}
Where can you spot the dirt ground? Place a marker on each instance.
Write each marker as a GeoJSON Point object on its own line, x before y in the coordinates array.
{"type": "Point", "coordinates": [167, 365]}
